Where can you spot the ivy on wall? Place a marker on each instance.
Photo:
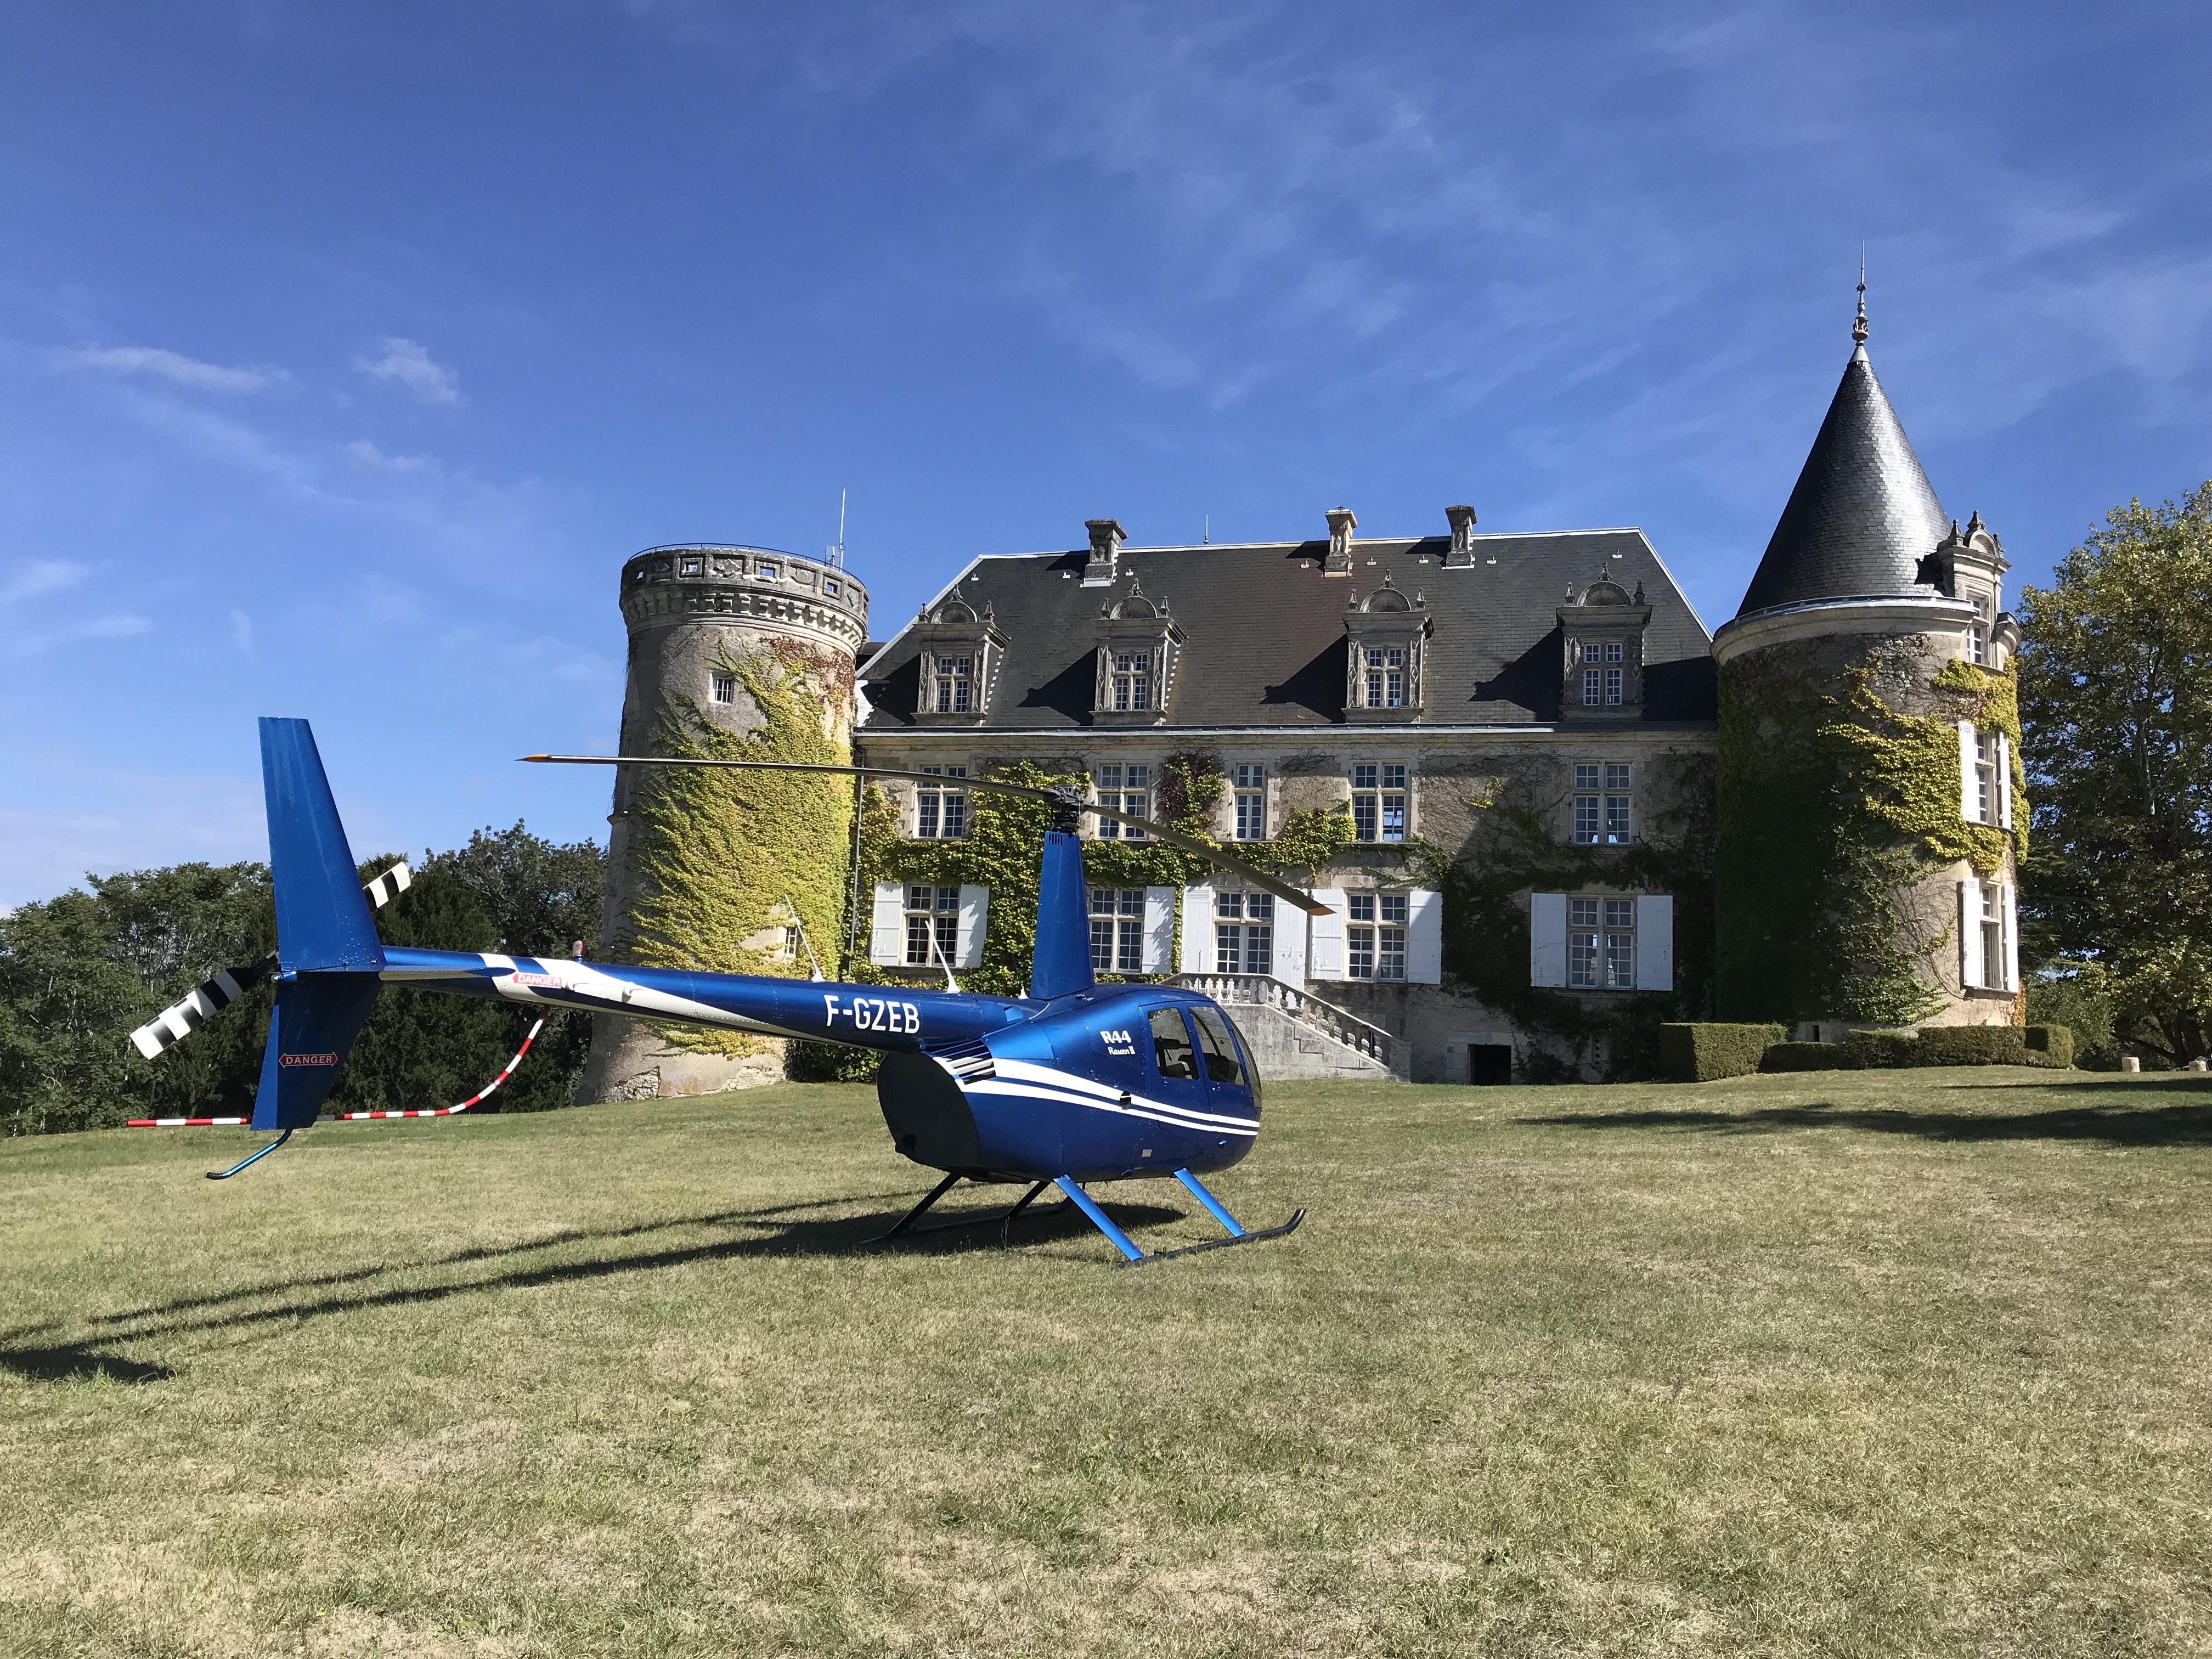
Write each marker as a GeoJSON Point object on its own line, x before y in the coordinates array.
{"type": "Point", "coordinates": [1835, 808]}
{"type": "Point", "coordinates": [1514, 849]}
{"type": "Point", "coordinates": [727, 857]}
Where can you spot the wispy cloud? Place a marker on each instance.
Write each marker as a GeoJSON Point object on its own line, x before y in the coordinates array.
{"type": "Point", "coordinates": [114, 625]}
{"type": "Point", "coordinates": [37, 576]}
{"type": "Point", "coordinates": [171, 365]}
{"type": "Point", "coordinates": [241, 631]}
{"type": "Point", "coordinates": [408, 363]}
{"type": "Point", "coordinates": [363, 452]}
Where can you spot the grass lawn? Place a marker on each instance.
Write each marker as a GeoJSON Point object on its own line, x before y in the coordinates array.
{"type": "Point", "coordinates": [1868, 1364]}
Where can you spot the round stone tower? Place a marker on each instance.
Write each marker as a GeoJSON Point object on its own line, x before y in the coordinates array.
{"type": "Point", "coordinates": [725, 643]}
{"type": "Point", "coordinates": [1865, 855]}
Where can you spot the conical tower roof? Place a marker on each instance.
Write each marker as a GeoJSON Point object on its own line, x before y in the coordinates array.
{"type": "Point", "coordinates": [1863, 516]}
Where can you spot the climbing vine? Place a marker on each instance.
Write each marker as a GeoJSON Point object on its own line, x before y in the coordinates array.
{"type": "Point", "coordinates": [728, 859]}
{"type": "Point", "coordinates": [1838, 806]}
{"type": "Point", "coordinates": [1513, 849]}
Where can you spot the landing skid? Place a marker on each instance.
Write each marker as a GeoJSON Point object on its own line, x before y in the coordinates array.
{"type": "Point", "coordinates": [1077, 1199]}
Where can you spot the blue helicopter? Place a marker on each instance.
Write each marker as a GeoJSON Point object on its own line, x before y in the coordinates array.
{"type": "Point", "coordinates": [1073, 1083]}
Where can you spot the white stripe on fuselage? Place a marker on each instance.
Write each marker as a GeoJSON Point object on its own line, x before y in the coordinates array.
{"type": "Point", "coordinates": [1051, 1076]}
{"type": "Point", "coordinates": [1150, 1111]}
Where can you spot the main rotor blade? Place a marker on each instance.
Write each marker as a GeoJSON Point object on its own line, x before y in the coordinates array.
{"type": "Point", "coordinates": [1159, 832]}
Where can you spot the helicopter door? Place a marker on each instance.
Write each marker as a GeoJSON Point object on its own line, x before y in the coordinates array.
{"type": "Point", "coordinates": [1175, 1062]}
{"type": "Point", "coordinates": [1227, 1079]}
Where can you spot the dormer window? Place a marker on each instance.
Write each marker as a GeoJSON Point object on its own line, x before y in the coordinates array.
{"type": "Point", "coordinates": [1138, 642]}
{"type": "Point", "coordinates": [952, 685]}
{"type": "Point", "coordinates": [1386, 677]}
{"type": "Point", "coordinates": [1133, 681]}
{"type": "Point", "coordinates": [1603, 625]}
{"type": "Point", "coordinates": [958, 655]}
{"type": "Point", "coordinates": [1387, 636]}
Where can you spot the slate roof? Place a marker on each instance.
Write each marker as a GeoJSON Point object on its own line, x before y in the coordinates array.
{"type": "Point", "coordinates": [1265, 635]}
{"type": "Point", "coordinates": [1863, 516]}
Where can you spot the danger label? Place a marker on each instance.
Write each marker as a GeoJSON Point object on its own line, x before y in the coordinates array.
{"type": "Point", "coordinates": [306, 1059]}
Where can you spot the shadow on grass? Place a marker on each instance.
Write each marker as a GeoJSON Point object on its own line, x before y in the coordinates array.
{"type": "Point", "coordinates": [2158, 1125]}
{"type": "Point", "coordinates": [832, 1237]}
{"type": "Point", "coordinates": [80, 1363]}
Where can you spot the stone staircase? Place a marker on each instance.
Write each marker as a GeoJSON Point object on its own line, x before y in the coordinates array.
{"type": "Point", "coordinates": [1294, 1034]}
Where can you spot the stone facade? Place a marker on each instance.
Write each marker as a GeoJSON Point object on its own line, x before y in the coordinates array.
{"type": "Point", "coordinates": [686, 607]}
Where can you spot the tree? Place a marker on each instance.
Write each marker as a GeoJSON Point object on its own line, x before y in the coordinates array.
{"type": "Point", "coordinates": [2116, 705]}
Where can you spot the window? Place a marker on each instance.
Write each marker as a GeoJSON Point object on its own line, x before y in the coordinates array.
{"type": "Point", "coordinates": [1978, 636]}
{"type": "Point", "coordinates": [953, 680]}
{"type": "Point", "coordinates": [1993, 949]}
{"type": "Point", "coordinates": [1985, 778]}
{"type": "Point", "coordinates": [1243, 933]}
{"type": "Point", "coordinates": [928, 907]}
{"type": "Point", "coordinates": [829, 586]}
{"type": "Point", "coordinates": [768, 572]}
{"type": "Point", "coordinates": [1132, 680]}
{"type": "Point", "coordinates": [1378, 802]}
{"type": "Point", "coordinates": [1601, 944]}
{"type": "Point", "coordinates": [940, 810]}
{"type": "Point", "coordinates": [693, 567]}
{"type": "Point", "coordinates": [726, 688]}
{"type": "Point", "coordinates": [1117, 930]}
{"type": "Point", "coordinates": [1386, 677]}
{"type": "Point", "coordinates": [1218, 1047]}
{"type": "Point", "coordinates": [1251, 803]}
{"type": "Point", "coordinates": [1612, 688]}
{"type": "Point", "coordinates": [1603, 801]}
{"type": "Point", "coordinates": [1375, 936]}
{"type": "Point", "coordinates": [1129, 788]}
{"type": "Point", "coordinates": [1171, 1045]}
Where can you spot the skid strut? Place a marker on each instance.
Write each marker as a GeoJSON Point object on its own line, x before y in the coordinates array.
{"type": "Point", "coordinates": [1133, 1257]}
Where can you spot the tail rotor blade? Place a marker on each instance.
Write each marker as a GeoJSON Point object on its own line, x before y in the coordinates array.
{"type": "Point", "coordinates": [210, 996]}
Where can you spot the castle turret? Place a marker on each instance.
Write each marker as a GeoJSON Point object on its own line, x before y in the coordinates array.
{"type": "Point", "coordinates": [1868, 739]}
{"type": "Point", "coordinates": [740, 653]}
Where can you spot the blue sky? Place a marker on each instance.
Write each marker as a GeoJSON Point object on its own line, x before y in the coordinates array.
{"type": "Point", "coordinates": [345, 350]}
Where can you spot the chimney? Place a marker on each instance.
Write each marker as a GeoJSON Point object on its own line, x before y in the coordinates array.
{"type": "Point", "coordinates": [1342, 524]}
{"type": "Point", "coordinates": [1462, 537]}
{"type": "Point", "coordinates": [1106, 535]}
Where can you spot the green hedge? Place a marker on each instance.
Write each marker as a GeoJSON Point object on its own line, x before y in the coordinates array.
{"type": "Point", "coordinates": [1701, 1053]}
{"type": "Point", "coordinates": [1804, 1057]}
{"type": "Point", "coordinates": [1933, 1045]}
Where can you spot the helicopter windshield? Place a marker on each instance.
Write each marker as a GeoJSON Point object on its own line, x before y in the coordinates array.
{"type": "Point", "coordinates": [1222, 1065]}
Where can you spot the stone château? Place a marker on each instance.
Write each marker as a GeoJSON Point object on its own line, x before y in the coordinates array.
{"type": "Point", "coordinates": [1560, 806]}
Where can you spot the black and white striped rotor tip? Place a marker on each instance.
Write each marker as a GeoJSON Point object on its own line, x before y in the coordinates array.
{"type": "Point", "coordinates": [210, 996]}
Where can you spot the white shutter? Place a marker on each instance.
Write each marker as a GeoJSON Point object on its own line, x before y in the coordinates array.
{"type": "Point", "coordinates": [1289, 965]}
{"type": "Point", "coordinates": [1424, 937]}
{"type": "Point", "coordinates": [1655, 942]}
{"type": "Point", "coordinates": [975, 917]}
{"type": "Point", "coordinates": [1969, 932]}
{"type": "Point", "coordinates": [1198, 929]}
{"type": "Point", "coordinates": [1325, 936]}
{"type": "Point", "coordinates": [1159, 930]}
{"type": "Point", "coordinates": [2010, 910]}
{"type": "Point", "coordinates": [1968, 801]}
{"type": "Point", "coordinates": [1548, 938]}
{"type": "Point", "coordinates": [887, 925]}
{"type": "Point", "coordinates": [2004, 781]}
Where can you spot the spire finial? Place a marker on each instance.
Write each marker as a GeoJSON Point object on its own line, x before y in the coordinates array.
{"type": "Point", "coordinates": [1859, 327]}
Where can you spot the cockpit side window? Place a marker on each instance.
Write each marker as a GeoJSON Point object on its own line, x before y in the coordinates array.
{"type": "Point", "coordinates": [1222, 1065]}
{"type": "Point", "coordinates": [1171, 1044]}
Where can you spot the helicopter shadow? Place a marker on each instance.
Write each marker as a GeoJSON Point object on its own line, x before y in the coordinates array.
{"type": "Point", "coordinates": [777, 1233]}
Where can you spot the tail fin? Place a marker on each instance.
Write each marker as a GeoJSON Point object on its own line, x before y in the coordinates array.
{"type": "Point", "coordinates": [310, 1029]}
{"type": "Point", "coordinates": [1060, 962]}
{"type": "Point", "coordinates": [327, 951]}
{"type": "Point", "coordinates": [323, 924]}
